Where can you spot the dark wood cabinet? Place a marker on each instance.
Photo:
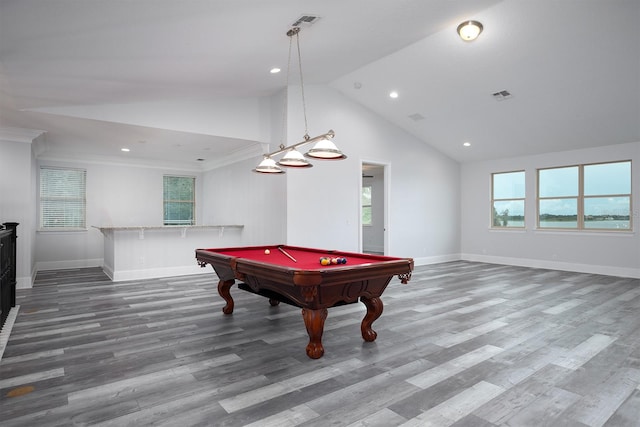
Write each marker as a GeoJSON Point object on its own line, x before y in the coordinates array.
{"type": "Point", "coordinates": [8, 237]}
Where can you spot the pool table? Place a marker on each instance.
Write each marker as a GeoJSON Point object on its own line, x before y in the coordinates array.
{"type": "Point", "coordinates": [294, 275]}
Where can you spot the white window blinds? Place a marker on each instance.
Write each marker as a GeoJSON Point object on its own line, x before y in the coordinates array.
{"type": "Point", "coordinates": [62, 198]}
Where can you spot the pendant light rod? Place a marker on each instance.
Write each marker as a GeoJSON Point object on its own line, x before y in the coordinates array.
{"type": "Point", "coordinates": [307, 140]}
{"type": "Point", "coordinates": [295, 31]}
{"type": "Point", "coordinates": [324, 149]}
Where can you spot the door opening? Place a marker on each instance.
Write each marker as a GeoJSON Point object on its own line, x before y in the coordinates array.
{"type": "Point", "coordinates": [373, 218]}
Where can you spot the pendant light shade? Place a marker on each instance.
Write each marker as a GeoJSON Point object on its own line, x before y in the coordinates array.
{"type": "Point", "coordinates": [294, 159]}
{"type": "Point", "coordinates": [268, 165]}
{"type": "Point", "coordinates": [325, 149]}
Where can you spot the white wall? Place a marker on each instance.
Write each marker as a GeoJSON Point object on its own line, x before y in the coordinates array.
{"type": "Point", "coordinates": [236, 195]}
{"type": "Point", "coordinates": [436, 206]}
{"type": "Point", "coordinates": [323, 202]}
{"type": "Point", "coordinates": [117, 195]}
{"type": "Point", "coordinates": [593, 252]}
{"type": "Point", "coordinates": [320, 206]}
{"type": "Point", "coordinates": [16, 189]}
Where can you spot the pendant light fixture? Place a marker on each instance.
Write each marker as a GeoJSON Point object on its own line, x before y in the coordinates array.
{"type": "Point", "coordinates": [324, 149]}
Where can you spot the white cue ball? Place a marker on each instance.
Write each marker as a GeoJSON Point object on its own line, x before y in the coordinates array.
{"type": "Point", "coordinates": [267, 251]}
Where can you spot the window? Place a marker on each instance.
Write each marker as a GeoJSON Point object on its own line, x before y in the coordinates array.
{"type": "Point", "coordinates": [507, 201]}
{"type": "Point", "coordinates": [593, 196]}
{"type": "Point", "coordinates": [558, 197]}
{"type": "Point", "coordinates": [179, 200]}
{"type": "Point", "coordinates": [366, 205]}
{"type": "Point", "coordinates": [63, 198]}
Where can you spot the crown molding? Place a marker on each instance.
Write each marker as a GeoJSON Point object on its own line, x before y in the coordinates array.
{"type": "Point", "coordinates": [19, 134]}
{"type": "Point", "coordinates": [253, 151]}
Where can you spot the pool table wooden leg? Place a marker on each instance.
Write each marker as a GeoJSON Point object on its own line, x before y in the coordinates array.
{"type": "Point", "coordinates": [224, 287]}
{"type": "Point", "coordinates": [374, 310]}
{"type": "Point", "coordinates": [314, 321]}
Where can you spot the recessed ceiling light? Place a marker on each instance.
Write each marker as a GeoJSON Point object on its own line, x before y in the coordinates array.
{"type": "Point", "coordinates": [466, 144]}
{"type": "Point", "coordinates": [126, 150]}
{"type": "Point", "coordinates": [274, 70]}
{"type": "Point", "coordinates": [393, 94]}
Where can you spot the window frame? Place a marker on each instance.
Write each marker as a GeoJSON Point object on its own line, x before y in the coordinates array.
{"type": "Point", "coordinates": [581, 197]}
{"type": "Point", "coordinates": [81, 201]}
{"type": "Point", "coordinates": [192, 221]}
{"type": "Point", "coordinates": [494, 199]}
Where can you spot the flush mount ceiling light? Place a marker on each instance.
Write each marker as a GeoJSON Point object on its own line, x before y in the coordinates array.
{"type": "Point", "coordinates": [469, 30]}
{"type": "Point", "coordinates": [324, 149]}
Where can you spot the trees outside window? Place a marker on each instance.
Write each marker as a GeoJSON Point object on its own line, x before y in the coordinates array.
{"type": "Point", "coordinates": [508, 198]}
{"type": "Point", "coordinates": [366, 205]}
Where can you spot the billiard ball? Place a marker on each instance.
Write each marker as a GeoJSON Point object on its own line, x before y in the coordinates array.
{"type": "Point", "coordinates": [325, 261]}
{"type": "Point", "coordinates": [267, 251]}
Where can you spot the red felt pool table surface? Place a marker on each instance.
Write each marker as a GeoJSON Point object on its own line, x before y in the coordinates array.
{"type": "Point", "coordinates": [305, 258]}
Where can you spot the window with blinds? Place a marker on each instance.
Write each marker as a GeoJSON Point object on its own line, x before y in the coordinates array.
{"type": "Point", "coordinates": [63, 201]}
{"type": "Point", "coordinates": [179, 200]}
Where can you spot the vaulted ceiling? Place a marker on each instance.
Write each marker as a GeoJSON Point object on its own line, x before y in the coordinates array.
{"type": "Point", "coordinates": [73, 68]}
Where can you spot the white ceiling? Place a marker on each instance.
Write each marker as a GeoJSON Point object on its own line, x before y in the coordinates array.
{"type": "Point", "coordinates": [572, 67]}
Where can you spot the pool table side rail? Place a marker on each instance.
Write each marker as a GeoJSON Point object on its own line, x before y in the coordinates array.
{"type": "Point", "coordinates": [228, 267]}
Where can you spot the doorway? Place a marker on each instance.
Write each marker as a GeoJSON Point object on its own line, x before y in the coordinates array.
{"type": "Point", "coordinates": [373, 217]}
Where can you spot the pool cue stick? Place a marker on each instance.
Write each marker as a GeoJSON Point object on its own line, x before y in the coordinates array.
{"type": "Point", "coordinates": [287, 254]}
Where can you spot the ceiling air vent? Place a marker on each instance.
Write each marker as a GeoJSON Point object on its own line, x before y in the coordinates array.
{"type": "Point", "coordinates": [502, 95]}
{"type": "Point", "coordinates": [305, 20]}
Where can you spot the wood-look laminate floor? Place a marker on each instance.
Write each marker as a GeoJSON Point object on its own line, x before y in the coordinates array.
{"type": "Point", "coordinates": [463, 344]}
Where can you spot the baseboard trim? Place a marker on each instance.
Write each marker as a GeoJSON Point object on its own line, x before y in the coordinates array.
{"type": "Point", "coordinates": [63, 265]}
{"type": "Point", "coordinates": [24, 282]}
{"type": "Point", "coordinates": [605, 270]}
{"type": "Point", "coordinates": [155, 273]}
{"type": "Point", "coordinates": [436, 259]}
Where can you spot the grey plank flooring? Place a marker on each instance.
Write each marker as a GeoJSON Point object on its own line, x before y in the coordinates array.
{"type": "Point", "coordinates": [463, 344]}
